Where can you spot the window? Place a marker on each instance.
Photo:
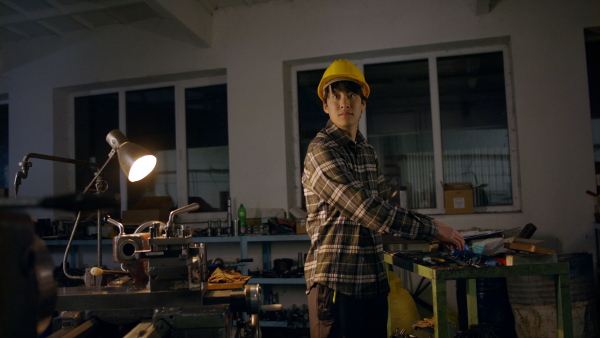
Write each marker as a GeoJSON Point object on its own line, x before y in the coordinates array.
{"type": "Point", "coordinates": [150, 122]}
{"type": "Point", "coordinates": [433, 118]}
{"type": "Point", "coordinates": [400, 128]}
{"type": "Point", "coordinates": [474, 124]}
{"type": "Point", "coordinates": [4, 176]}
{"type": "Point", "coordinates": [592, 50]}
{"type": "Point", "coordinates": [95, 117]}
{"type": "Point", "coordinates": [207, 146]}
{"type": "Point", "coordinates": [188, 135]}
{"type": "Point", "coordinates": [311, 117]}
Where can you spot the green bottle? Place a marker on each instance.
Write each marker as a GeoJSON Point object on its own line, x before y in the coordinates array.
{"type": "Point", "coordinates": [242, 218]}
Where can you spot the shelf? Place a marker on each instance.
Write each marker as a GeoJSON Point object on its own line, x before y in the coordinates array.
{"type": "Point", "coordinates": [275, 323]}
{"type": "Point", "coordinates": [223, 239]}
{"type": "Point", "coordinates": [243, 241]}
{"type": "Point", "coordinates": [63, 242]}
{"type": "Point", "coordinates": [285, 281]}
{"type": "Point", "coordinates": [253, 238]}
{"type": "Point", "coordinates": [272, 323]}
{"type": "Point", "coordinates": [230, 239]}
{"type": "Point", "coordinates": [277, 238]}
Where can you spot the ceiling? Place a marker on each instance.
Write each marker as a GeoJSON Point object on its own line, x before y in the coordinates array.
{"type": "Point", "coordinates": [27, 20]}
{"type": "Point", "coordinates": [189, 21]}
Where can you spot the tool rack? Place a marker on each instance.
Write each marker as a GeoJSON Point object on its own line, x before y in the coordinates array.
{"type": "Point", "coordinates": [440, 275]}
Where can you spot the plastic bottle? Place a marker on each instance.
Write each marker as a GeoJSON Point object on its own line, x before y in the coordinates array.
{"type": "Point", "coordinates": [242, 219]}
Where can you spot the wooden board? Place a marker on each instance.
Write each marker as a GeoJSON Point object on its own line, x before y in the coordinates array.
{"type": "Point", "coordinates": [530, 258]}
{"type": "Point", "coordinates": [528, 248]}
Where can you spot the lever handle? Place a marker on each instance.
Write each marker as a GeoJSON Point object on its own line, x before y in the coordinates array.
{"type": "Point", "coordinates": [187, 208]}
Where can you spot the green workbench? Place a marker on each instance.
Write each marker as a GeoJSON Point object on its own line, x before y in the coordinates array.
{"type": "Point", "coordinates": [439, 276]}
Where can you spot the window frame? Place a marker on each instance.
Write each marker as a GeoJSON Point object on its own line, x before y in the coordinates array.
{"type": "Point", "coordinates": [179, 87]}
{"type": "Point", "coordinates": [431, 55]}
{"type": "Point", "coordinates": [4, 101]}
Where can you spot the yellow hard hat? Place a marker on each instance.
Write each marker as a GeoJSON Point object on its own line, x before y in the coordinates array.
{"type": "Point", "coordinates": [342, 70]}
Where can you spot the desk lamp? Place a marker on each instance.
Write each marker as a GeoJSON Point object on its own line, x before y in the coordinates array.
{"type": "Point", "coordinates": [135, 161]}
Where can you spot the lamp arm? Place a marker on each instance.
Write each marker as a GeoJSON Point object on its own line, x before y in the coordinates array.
{"type": "Point", "coordinates": [60, 159]}
{"type": "Point", "coordinates": [25, 165]}
{"type": "Point", "coordinates": [110, 156]}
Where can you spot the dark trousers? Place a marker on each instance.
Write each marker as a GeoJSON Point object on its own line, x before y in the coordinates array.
{"type": "Point", "coordinates": [347, 316]}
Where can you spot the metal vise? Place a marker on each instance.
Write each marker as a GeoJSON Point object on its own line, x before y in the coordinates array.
{"type": "Point", "coordinates": [166, 253]}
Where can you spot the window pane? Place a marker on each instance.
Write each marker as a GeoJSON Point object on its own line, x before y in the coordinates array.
{"type": "Point", "coordinates": [474, 124]}
{"type": "Point", "coordinates": [592, 51]}
{"type": "Point", "coordinates": [151, 124]}
{"type": "Point", "coordinates": [4, 147]}
{"type": "Point", "coordinates": [95, 117]}
{"type": "Point", "coordinates": [311, 117]}
{"type": "Point", "coordinates": [207, 147]}
{"type": "Point", "coordinates": [399, 127]}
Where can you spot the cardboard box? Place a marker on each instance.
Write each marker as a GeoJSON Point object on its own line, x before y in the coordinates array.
{"type": "Point", "coordinates": [458, 198]}
{"type": "Point", "coordinates": [301, 226]}
{"type": "Point", "coordinates": [253, 221]}
{"type": "Point", "coordinates": [150, 208]}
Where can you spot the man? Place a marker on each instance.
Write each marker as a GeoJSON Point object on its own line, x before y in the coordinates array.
{"type": "Point", "coordinates": [347, 213]}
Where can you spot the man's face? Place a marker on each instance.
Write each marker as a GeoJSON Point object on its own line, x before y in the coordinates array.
{"type": "Point", "coordinates": [344, 109]}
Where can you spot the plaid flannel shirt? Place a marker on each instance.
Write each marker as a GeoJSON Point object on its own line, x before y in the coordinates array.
{"type": "Point", "coordinates": [347, 213]}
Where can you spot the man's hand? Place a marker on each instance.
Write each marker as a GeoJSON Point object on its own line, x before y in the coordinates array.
{"type": "Point", "coordinates": [450, 236]}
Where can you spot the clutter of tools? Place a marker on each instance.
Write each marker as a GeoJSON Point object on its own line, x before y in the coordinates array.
{"type": "Point", "coordinates": [482, 249]}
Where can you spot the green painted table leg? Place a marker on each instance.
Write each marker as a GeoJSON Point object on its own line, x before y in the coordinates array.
{"type": "Point", "coordinates": [440, 308]}
{"type": "Point", "coordinates": [472, 302]}
{"type": "Point", "coordinates": [564, 314]}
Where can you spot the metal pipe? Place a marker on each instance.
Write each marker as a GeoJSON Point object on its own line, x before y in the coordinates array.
{"type": "Point", "coordinates": [99, 238]}
{"type": "Point", "coordinates": [64, 264]}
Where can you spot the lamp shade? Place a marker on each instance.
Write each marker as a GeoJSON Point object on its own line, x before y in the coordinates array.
{"type": "Point", "coordinates": [135, 161]}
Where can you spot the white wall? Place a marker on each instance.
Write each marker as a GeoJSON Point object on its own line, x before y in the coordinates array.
{"type": "Point", "coordinates": [257, 44]}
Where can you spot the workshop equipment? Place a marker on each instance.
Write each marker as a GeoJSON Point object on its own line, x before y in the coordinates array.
{"type": "Point", "coordinates": [170, 295]}
{"type": "Point", "coordinates": [27, 288]}
{"type": "Point", "coordinates": [135, 161]}
{"type": "Point", "coordinates": [27, 285]}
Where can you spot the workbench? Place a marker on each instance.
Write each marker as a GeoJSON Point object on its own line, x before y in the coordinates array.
{"type": "Point", "coordinates": [440, 275]}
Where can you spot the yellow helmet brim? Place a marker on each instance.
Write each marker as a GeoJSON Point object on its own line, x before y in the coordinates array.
{"type": "Point", "coordinates": [342, 70]}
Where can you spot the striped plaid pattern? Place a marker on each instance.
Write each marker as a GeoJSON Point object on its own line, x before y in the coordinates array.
{"type": "Point", "coordinates": [347, 213]}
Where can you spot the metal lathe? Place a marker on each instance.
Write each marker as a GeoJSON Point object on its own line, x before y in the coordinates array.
{"type": "Point", "coordinates": [166, 293]}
